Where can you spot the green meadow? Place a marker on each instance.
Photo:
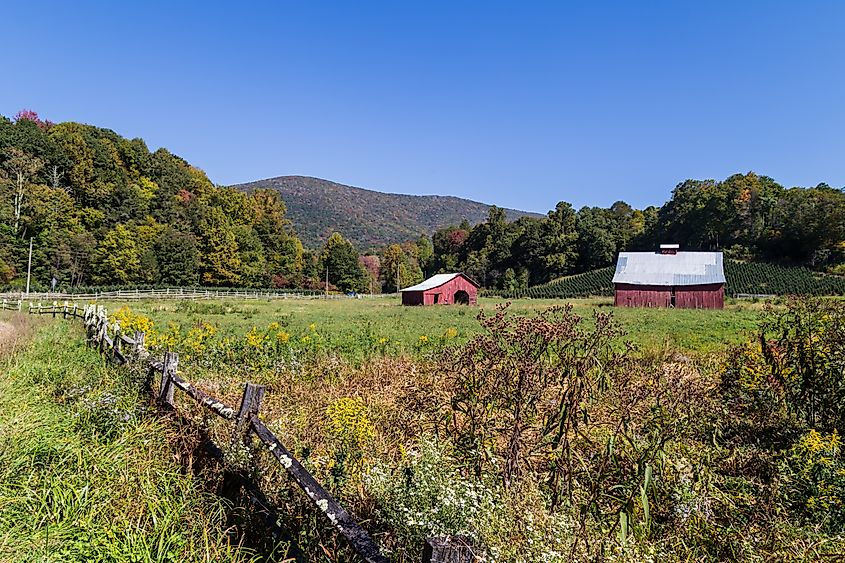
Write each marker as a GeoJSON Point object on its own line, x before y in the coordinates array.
{"type": "Point", "coordinates": [348, 321]}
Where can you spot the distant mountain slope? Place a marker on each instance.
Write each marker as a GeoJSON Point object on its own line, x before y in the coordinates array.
{"type": "Point", "coordinates": [366, 217]}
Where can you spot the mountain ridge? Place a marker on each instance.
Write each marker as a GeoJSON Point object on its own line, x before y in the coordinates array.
{"type": "Point", "coordinates": [369, 218]}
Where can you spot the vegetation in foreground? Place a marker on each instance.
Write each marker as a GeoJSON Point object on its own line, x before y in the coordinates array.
{"type": "Point", "coordinates": [86, 474]}
{"type": "Point", "coordinates": [544, 438]}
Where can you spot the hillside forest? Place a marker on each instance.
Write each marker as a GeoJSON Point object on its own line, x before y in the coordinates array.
{"type": "Point", "coordinates": [103, 210]}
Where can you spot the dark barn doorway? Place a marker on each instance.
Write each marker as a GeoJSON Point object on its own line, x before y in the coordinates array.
{"type": "Point", "coordinates": [461, 297]}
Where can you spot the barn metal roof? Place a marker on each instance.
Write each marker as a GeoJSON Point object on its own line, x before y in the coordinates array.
{"type": "Point", "coordinates": [436, 281]}
{"type": "Point", "coordinates": [683, 268]}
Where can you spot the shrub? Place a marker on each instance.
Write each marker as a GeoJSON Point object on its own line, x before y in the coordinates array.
{"type": "Point", "coordinates": [813, 475]}
{"type": "Point", "coordinates": [803, 345]}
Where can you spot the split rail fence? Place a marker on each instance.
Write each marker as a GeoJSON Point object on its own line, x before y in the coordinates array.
{"type": "Point", "coordinates": [176, 293]}
{"type": "Point", "coordinates": [123, 349]}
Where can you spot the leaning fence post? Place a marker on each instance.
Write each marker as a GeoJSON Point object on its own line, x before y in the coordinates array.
{"type": "Point", "coordinates": [448, 549]}
{"type": "Point", "coordinates": [250, 403]}
{"type": "Point", "coordinates": [171, 362]}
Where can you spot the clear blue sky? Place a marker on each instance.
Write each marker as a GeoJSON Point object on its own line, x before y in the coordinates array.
{"type": "Point", "coordinates": [519, 104]}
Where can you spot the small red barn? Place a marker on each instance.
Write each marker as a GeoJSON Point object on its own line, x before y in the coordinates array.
{"type": "Point", "coordinates": [442, 289]}
{"type": "Point", "coordinates": [685, 280]}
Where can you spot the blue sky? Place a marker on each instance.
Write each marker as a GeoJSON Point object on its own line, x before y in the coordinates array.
{"type": "Point", "coordinates": [519, 104]}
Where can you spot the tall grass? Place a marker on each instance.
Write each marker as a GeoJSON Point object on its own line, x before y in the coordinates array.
{"type": "Point", "coordinates": [85, 474]}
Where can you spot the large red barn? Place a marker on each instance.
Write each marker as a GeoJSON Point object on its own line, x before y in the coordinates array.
{"type": "Point", "coordinates": [685, 280]}
{"type": "Point", "coordinates": [442, 289]}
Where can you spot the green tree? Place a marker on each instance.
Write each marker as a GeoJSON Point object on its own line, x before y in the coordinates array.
{"type": "Point", "coordinates": [116, 260]}
{"type": "Point", "coordinates": [219, 257]}
{"type": "Point", "coordinates": [559, 240]}
{"type": "Point", "coordinates": [177, 258]}
{"type": "Point", "coordinates": [396, 262]}
{"type": "Point", "coordinates": [340, 258]}
{"type": "Point", "coordinates": [22, 167]}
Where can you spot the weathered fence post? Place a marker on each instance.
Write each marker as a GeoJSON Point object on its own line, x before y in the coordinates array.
{"type": "Point", "coordinates": [55, 306]}
{"type": "Point", "coordinates": [102, 327]}
{"type": "Point", "coordinates": [171, 362]}
{"type": "Point", "coordinates": [116, 344]}
{"type": "Point", "coordinates": [250, 403]}
{"type": "Point", "coordinates": [139, 338]}
{"type": "Point", "coordinates": [75, 308]}
{"type": "Point", "coordinates": [448, 549]}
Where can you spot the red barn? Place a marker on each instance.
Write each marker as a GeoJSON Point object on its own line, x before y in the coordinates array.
{"type": "Point", "coordinates": [685, 280]}
{"type": "Point", "coordinates": [442, 288]}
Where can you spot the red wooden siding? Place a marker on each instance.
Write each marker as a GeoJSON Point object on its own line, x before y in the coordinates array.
{"type": "Point", "coordinates": [710, 296]}
{"type": "Point", "coordinates": [443, 294]}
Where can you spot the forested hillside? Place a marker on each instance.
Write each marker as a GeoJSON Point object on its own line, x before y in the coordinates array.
{"type": "Point", "coordinates": [369, 219]}
{"type": "Point", "coordinates": [102, 209]}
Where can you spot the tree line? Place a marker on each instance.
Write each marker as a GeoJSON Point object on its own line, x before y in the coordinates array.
{"type": "Point", "coordinates": [747, 216]}
{"type": "Point", "coordinates": [101, 209]}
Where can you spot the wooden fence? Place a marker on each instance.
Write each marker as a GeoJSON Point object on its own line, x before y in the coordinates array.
{"type": "Point", "coordinates": [164, 380]}
{"type": "Point", "coordinates": [180, 293]}
{"type": "Point", "coordinates": [11, 305]}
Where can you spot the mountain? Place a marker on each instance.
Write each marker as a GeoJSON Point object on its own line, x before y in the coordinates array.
{"type": "Point", "coordinates": [368, 218]}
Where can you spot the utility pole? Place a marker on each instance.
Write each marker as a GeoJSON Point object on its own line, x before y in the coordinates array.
{"type": "Point", "coordinates": [327, 281]}
{"type": "Point", "coordinates": [398, 289]}
{"type": "Point", "coordinates": [29, 267]}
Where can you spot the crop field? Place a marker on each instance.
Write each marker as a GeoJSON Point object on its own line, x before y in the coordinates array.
{"type": "Point", "coordinates": [742, 278]}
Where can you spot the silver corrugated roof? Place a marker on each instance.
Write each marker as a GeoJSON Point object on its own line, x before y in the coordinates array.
{"type": "Point", "coordinates": [434, 281]}
{"type": "Point", "coordinates": [683, 268]}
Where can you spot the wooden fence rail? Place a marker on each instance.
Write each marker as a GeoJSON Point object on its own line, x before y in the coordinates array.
{"type": "Point", "coordinates": [121, 348]}
{"type": "Point", "coordinates": [178, 293]}
{"type": "Point", "coordinates": [8, 305]}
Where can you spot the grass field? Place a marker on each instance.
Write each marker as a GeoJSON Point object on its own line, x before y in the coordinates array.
{"type": "Point", "coordinates": [348, 323]}
{"type": "Point", "coordinates": [85, 474]}
{"type": "Point", "coordinates": [413, 441]}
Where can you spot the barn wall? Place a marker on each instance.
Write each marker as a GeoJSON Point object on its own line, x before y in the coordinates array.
{"type": "Point", "coordinates": [412, 298]}
{"type": "Point", "coordinates": [686, 297]}
{"type": "Point", "coordinates": [446, 292]}
{"type": "Point", "coordinates": [627, 295]}
{"type": "Point", "coordinates": [700, 297]}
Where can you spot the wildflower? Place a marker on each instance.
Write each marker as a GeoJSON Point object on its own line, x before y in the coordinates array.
{"type": "Point", "coordinates": [282, 337]}
{"type": "Point", "coordinates": [274, 326]}
{"type": "Point", "coordinates": [254, 338]}
{"type": "Point", "coordinates": [312, 327]}
{"type": "Point", "coordinates": [383, 340]}
{"type": "Point", "coordinates": [451, 332]}
{"type": "Point", "coordinates": [423, 340]}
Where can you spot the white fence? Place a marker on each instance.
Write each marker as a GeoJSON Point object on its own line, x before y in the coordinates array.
{"type": "Point", "coordinates": [178, 293]}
